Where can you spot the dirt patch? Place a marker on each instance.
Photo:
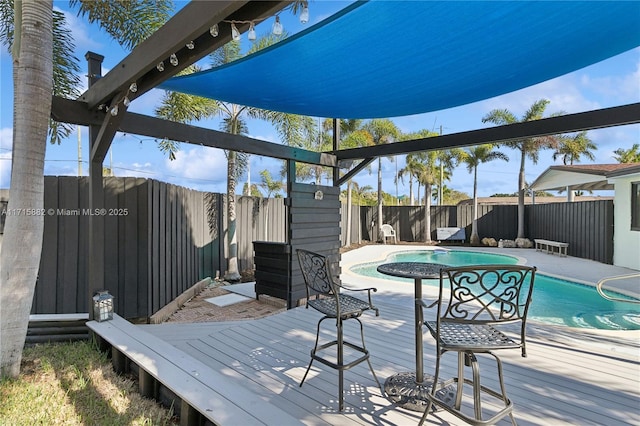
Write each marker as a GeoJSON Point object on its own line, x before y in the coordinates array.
{"type": "Point", "coordinates": [198, 309]}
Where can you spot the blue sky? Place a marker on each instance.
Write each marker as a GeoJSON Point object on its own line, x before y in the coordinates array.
{"type": "Point", "coordinates": [615, 81]}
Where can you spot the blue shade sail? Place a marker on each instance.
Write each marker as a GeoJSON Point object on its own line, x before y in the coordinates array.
{"type": "Point", "coordinates": [397, 58]}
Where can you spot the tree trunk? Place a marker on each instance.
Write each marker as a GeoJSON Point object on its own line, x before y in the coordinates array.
{"type": "Point", "coordinates": [379, 196]}
{"type": "Point", "coordinates": [22, 241]}
{"type": "Point", "coordinates": [427, 213]}
{"type": "Point", "coordinates": [232, 273]}
{"type": "Point", "coordinates": [475, 239]}
{"type": "Point", "coordinates": [411, 199]}
{"type": "Point", "coordinates": [347, 240]}
{"type": "Point", "coordinates": [521, 197]}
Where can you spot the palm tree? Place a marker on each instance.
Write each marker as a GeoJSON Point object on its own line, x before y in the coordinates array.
{"type": "Point", "coordinates": [42, 65]}
{"type": "Point", "coordinates": [427, 176]}
{"type": "Point", "coordinates": [473, 157]}
{"type": "Point", "coordinates": [271, 186]}
{"type": "Point", "coordinates": [412, 169]}
{"type": "Point", "coordinates": [528, 147]}
{"type": "Point", "coordinates": [571, 148]}
{"type": "Point", "coordinates": [382, 131]}
{"type": "Point", "coordinates": [292, 128]}
{"type": "Point", "coordinates": [352, 137]}
{"type": "Point", "coordinates": [363, 194]}
{"type": "Point", "coordinates": [447, 161]}
{"type": "Point", "coordinates": [631, 155]}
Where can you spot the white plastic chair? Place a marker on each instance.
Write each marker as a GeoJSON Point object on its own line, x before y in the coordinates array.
{"type": "Point", "coordinates": [388, 232]}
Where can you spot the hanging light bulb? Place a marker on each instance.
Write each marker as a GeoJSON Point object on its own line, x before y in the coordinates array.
{"type": "Point", "coordinates": [190, 45]}
{"type": "Point", "coordinates": [235, 34]}
{"type": "Point", "coordinates": [114, 110]}
{"type": "Point", "coordinates": [133, 88]}
{"type": "Point", "coordinates": [304, 15]}
{"type": "Point", "coordinates": [277, 27]}
{"type": "Point", "coordinates": [252, 32]}
{"type": "Point", "coordinates": [173, 59]}
{"type": "Point", "coordinates": [214, 30]}
{"type": "Point", "coordinates": [126, 102]}
{"type": "Point", "coordinates": [160, 66]}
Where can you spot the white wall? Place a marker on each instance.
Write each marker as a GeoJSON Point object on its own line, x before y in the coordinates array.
{"type": "Point", "coordinates": [626, 243]}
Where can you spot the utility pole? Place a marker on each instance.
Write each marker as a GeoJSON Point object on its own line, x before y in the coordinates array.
{"type": "Point", "coordinates": [79, 152]}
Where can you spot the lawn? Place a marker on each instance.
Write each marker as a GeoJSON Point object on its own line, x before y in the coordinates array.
{"type": "Point", "coordinates": [74, 384]}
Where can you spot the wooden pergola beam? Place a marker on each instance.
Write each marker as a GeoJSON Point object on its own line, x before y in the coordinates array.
{"type": "Point", "coordinates": [76, 112]}
{"type": "Point", "coordinates": [191, 23]}
{"type": "Point", "coordinates": [597, 119]}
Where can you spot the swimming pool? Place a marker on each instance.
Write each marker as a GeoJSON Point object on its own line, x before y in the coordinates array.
{"type": "Point", "coordinates": [555, 301]}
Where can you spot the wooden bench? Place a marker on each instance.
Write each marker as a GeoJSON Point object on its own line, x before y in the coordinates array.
{"type": "Point", "coordinates": [548, 246]}
{"type": "Point", "coordinates": [201, 393]}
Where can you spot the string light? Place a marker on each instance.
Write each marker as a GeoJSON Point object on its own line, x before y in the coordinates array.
{"type": "Point", "coordinates": [304, 14]}
{"type": "Point", "coordinates": [160, 66]}
{"type": "Point", "coordinates": [190, 45]}
{"type": "Point", "coordinates": [173, 59]}
{"type": "Point", "coordinates": [252, 32]}
{"type": "Point", "coordinates": [235, 34]}
{"type": "Point", "coordinates": [277, 27]}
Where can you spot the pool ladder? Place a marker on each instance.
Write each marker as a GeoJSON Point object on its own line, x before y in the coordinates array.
{"type": "Point", "coordinates": [616, 299]}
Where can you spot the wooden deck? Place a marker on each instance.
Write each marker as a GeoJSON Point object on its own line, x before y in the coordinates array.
{"type": "Point", "coordinates": [570, 376]}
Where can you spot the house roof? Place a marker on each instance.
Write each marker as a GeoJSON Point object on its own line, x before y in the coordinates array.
{"type": "Point", "coordinates": [586, 177]}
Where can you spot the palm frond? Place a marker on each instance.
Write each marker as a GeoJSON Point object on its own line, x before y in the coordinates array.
{"type": "Point", "coordinates": [127, 22]}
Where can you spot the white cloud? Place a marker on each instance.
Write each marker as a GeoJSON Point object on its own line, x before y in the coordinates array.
{"type": "Point", "coordinates": [620, 87]}
{"type": "Point", "coordinates": [80, 32]}
{"type": "Point", "coordinates": [6, 143]}
{"type": "Point", "coordinates": [5, 169]}
{"type": "Point", "coordinates": [6, 139]}
{"type": "Point", "coordinates": [205, 164]}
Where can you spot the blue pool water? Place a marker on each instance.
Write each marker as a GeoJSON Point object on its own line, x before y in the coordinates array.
{"type": "Point", "coordinates": [555, 301]}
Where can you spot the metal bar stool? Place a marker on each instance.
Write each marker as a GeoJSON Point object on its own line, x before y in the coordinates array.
{"type": "Point", "coordinates": [335, 305]}
{"type": "Point", "coordinates": [481, 299]}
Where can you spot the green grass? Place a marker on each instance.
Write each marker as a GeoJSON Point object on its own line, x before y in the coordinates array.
{"type": "Point", "coordinates": [74, 384]}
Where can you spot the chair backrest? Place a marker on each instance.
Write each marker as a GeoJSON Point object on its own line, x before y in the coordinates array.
{"type": "Point", "coordinates": [486, 294]}
{"type": "Point", "coordinates": [387, 230]}
{"type": "Point", "coordinates": [316, 272]}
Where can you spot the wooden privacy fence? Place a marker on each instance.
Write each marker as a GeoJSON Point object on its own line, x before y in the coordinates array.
{"type": "Point", "coordinates": [587, 225]}
{"type": "Point", "coordinates": [161, 239]}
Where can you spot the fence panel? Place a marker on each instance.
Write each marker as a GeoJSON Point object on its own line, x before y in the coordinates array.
{"type": "Point", "coordinates": [587, 226]}
{"type": "Point", "coordinates": [171, 237]}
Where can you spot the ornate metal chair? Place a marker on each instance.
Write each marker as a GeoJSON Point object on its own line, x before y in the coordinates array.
{"type": "Point", "coordinates": [470, 319]}
{"type": "Point", "coordinates": [329, 300]}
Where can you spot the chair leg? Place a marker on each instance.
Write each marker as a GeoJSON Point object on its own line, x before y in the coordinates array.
{"type": "Point", "coordinates": [477, 402]}
{"type": "Point", "coordinates": [368, 361]}
{"type": "Point", "coordinates": [503, 389]}
{"type": "Point", "coordinates": [340, 362]}
{"type": "Point", "coordinates": [313, 351]}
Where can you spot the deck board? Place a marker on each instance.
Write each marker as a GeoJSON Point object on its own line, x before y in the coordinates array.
{"type": "Point", "coordinates": [569, 377]}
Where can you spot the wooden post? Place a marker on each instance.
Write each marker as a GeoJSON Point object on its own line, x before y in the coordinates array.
{"type": "Point", "coordinates": [96, 198]}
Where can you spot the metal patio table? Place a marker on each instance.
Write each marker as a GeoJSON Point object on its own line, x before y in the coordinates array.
{"type": "Point", "coordinates": [410, 389]}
